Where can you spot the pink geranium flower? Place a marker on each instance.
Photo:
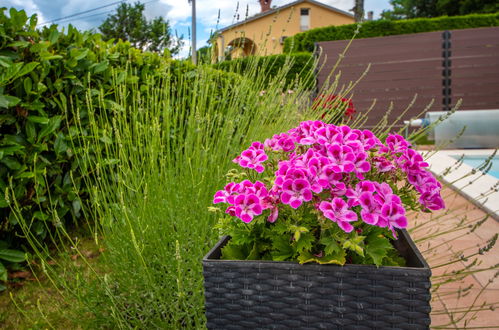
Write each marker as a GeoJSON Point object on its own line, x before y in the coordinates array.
{"type": "Point", "coordinates": [253, 157]}
{"type": "Point", "coordinates": [337, 211]}
{"type": "Point", "coordinates": [295, 192]}
{"type": "Point", "coordinates": [247, 207]}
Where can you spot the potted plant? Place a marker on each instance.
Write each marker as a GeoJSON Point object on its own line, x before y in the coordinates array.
{"type": "Point", "coordinates": [315, 233]}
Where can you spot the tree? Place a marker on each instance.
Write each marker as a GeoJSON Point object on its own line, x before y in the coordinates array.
{"type": "Point", "coordinates": [403, 9]}
{"type": "Point", "coordinates": [129, 24]}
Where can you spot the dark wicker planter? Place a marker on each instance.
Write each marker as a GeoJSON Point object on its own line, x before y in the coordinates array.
{"type": "Point", "coordinates": [277, 294]}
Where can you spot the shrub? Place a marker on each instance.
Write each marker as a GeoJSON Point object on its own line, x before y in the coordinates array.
{"type": "Point", "coordinates": [43, 74]}
{"type": "Point", "coordinates": [301, 68]}
{"type": "Point", "coordinates": [305, 41]}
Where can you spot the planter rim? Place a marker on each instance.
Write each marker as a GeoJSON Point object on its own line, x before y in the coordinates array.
{"type": "Point", "coordinates": [210, 258]}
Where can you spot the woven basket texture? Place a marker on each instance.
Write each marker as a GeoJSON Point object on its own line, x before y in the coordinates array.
{"type": "Point", "coordinates": [287, 295]}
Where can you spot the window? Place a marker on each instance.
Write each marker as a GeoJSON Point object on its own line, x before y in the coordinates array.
{"type": "Point", "coordinates": [304, 19]}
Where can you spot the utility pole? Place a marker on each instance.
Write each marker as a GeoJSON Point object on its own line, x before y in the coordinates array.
{"type": "Point", "coordinates": [193, 45]}
{"type": "Point", "coordinates": [358, 10]}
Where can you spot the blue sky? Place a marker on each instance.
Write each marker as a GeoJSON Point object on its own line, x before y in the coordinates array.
{"type": "Point", "coordinates": [178, 12]}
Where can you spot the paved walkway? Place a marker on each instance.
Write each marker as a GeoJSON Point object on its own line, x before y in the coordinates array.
{"type": "Point", "coordinates": [465, 282]}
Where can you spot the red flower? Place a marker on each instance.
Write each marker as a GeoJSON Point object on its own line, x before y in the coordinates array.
{"type": "Point", "coordinates": [330, 102]}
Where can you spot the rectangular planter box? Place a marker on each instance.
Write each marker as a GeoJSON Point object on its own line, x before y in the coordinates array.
{"type": "Point", "coordinates": [277, 294]}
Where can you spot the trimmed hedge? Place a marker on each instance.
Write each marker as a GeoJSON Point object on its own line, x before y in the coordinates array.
{"type": "Point", "coordinates": [305, 41]}
{"type": "Point", "coordinates": [301, 68]}
{"type": "Point", "coordinates": [43, 74]}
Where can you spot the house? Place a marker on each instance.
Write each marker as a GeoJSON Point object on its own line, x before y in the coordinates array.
{"type": "Point", "coordinates": [265, 32]}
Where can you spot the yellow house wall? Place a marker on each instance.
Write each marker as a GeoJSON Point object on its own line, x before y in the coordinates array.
{"type": "Point", "coordinates": [266, 31]}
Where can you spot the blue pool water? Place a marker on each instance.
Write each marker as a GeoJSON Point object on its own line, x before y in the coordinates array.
{"type": "Point", "coordinates": [476, 161]}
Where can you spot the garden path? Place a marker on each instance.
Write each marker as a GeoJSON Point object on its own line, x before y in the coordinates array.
{"type": "Point", "coordinates": [466, 294]}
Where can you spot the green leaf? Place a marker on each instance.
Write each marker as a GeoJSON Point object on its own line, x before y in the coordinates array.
{"type": "Point", "coordinates": [3, 275]}
{"type": "Point", "coordinates": [5, 61]}
{"type": "Point", "coordinates": [51, 57]}
{"type": "Point", "coordinates": [28, 85]}
{"type": "Point", "coordinates": [60, 145]}
{"type": "Point", "coordinates": [53, 36]}
{"type": "Point", "coordinates": [12, 255]}
{"type": "Point", "coordinates": [100, 67]}
{"type": "Point", "coordinates": [27, 68]}
{"type": "Point", "coordinates": [337, 258]}
{"type": "Point", "coordinates": [331, 246]}
{"type": "Point", "coordinates": [7, 101]}
{"type": "Point", "coordinates": [30, 131]}
{"type": "Point", "coordinates": [38, 120]}
{"type": "Point", "coordinates": [281, 249]}
{"type": "Point", "coordinates": [377, 247]}
{"type": "Point", "coordinates": [254, 254]}
{"type": "Point", "coordinates": [11, 163]}
{"type": "Point", "coordinates": [52, 125]}
{"type": "Point", "coordinates": [79, 54]}
{"type": "Point", "coordinates": [21, 44]}
{"type": "Point", "coordinates": [11, 150]}
{"type": "Point", "coordinates": [76, 207]}
{"type": "Point", "coordinates": [40, 215]}
{"type": "Point", "coordinates": [354, 244]}
{"type": "Point", "coordinates": [305, 242]}
{"type": "Point", "coordinates": [234, 252]}
{"type": "Point", "coordinates": [25, 175]}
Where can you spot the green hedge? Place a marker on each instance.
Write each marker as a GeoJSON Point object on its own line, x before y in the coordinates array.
{"type": "Point", "coordinates": [43, 74]}
{"type": "Point", "coordinates": [301, 68]}
{"type": "Point", "coordinates": [304, 42]}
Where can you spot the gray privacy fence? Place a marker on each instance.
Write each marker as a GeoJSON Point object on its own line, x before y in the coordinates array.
{"type": "Point", "coordinates": [443, 66]}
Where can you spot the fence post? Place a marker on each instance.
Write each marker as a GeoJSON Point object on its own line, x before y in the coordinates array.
{"type": "Point", "coordinates": [446, 72]}
{"type": "Point", "coordinates": [317, 54]}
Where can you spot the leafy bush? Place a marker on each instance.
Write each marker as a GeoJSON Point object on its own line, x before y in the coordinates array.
{"type": "Point", "coordinates": [43, 74]}
{"type": "Point", "coordinates": [300, 67]}
{"type": "Point", "coordinates": [305, 41]}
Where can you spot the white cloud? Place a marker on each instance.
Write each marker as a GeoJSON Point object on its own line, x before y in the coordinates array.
{"type": "Point", "coordinates": [29, 6]}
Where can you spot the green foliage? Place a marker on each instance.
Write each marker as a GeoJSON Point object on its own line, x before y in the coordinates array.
{"type": "Point", "coordinates": [306, 236]}
{"type": "Point", "coordinates": [151, 153]}
{"type": "Point", "coordinates": [42, 75]}
{"type": "Point", "coordinates": [403, 9]}
{"type": "Point", "coordinates": [130, 24]}
{"type": "Point", "coordinates": [299, 68]}
{"type": "Point", "coordinates": [305, 41]}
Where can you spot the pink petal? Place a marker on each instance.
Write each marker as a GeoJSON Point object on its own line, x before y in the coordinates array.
{"type": "Point", "coordinates": [285, 197]}
{"type": "Point", "coordinates": [296, 203]}
{"type": "Point", "coordinates": [246, 218]}
{"type": "Point", "coordinates": [307, 195]}
{"type": "Point", "coordinates": [346, 226]}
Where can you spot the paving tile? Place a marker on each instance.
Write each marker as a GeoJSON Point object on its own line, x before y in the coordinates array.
{"type": "Point", "coordinates": [439, 314]}
{"type": "Point", "coordinates": [474, 300]}
{"type": "Point", "coordinates": [469, 282]}
{"type": "Point", "coordinates": [445, 248]}
{"type": "Point", "coordinates": [487, 276]}
{"type": "Point", "coordinates": [488, 229]}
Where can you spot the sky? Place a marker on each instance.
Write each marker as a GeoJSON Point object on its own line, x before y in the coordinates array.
{"type": "Point", "coordinates": [211, 14]}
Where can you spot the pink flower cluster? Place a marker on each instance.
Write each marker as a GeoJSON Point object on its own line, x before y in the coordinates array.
{"type": "Point", "coordinates": [325, 166]}
{"type": "Point", "coordinates": [253, 157]}
{"type": "Point", "coordinates": [247, 200]}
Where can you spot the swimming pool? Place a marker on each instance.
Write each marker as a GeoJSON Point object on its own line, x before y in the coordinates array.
{"type": "Point", "coordinates": [477, 161]}
{"type": "Point", "coordinates": [480, 188]}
